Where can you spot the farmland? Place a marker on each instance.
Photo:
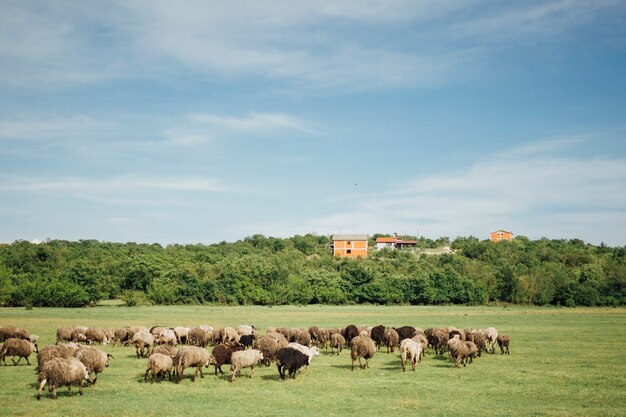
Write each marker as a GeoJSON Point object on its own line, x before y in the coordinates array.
{"type": "Point", "coordinates": [564, 361]}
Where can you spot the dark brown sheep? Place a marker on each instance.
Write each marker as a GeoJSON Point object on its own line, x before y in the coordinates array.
{"type": "Point", "coordinates": [350, 332]}
{"type": "Point", "coordinates": [405, 332]}
{"type": "Point", "coordinates": [378, 335]}
{"type": "Point", "coordinates": [503, 343]}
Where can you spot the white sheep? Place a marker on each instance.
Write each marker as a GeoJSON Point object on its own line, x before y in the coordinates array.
{"type": "Point", "coordinates": [411, 350]}
{"type": "Point", "coordinates": [244, 359]}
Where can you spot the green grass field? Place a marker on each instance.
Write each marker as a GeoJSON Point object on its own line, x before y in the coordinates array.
{"type": "Point", "coordinates": [563, 362]}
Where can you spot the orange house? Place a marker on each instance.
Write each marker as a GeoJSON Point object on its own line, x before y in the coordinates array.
{"type": "Point", "coordinates": [350, 246]}
{"type": "Point", "coordinates": [499, 235]}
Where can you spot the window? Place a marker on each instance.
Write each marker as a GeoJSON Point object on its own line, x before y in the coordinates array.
{"type": "Point", "coordinates": [349, 251]}
{"type": "Point", "coordinates": [348, 242]}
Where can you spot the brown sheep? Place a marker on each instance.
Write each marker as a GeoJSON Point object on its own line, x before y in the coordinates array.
{"type": "Point", "coordinates": [221, 355]}
{"type": "Point", "coordinates": [229, 336]}
{"type": "Point", "coordinates": [142, 342]}
{"type": "Point", "coordinates": [362, 346]}
{"type": "Point", "coordinates": [170, 351]}
{"type": "Point", "coordinates": [472, 350]}
{"type": "Point", "coordinates": [64, 334]}
{"type": "Point", "coordinates": [378, 335]}
{"type": "Point", "coordinates": [94, 359]}
{"type": "Point", "coordinates": [268, 346]}
{"type": "Point", "coordinates": [17, 347]}
{"type": "Point", "coordinates": [96, 335]}
{"type": "Point", "coordinates": [349, 332]}
{"type": "Point", "coordinates": [12, 332]}
{"type": "Point", "coordinates": [458, 351]}
{"type": "Point", "coordinates": [191, 356]}
{"type": "Point", "coordinates": [48, 353]}
{"type": "Point", "coordinates": [199, 337]}
{"type": "Point", "coordinates": [303, 337]}
{"type": "Point", "coordinates": [280, 338]}
{"type": "Point", "coordinates": [62, 372]}
{"type": "Point", "coordinates": [159, 364]}
{"type": "Point", "coordinates": [503, 343]}
{"type": "Point", "coordinates": [391, 338]}
{"type": "Point", "coordinates": [337, 341]}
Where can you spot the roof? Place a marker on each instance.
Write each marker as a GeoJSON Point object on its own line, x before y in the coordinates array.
{"type": "Point", "coordinates": [395, 240]}
{"type": "Point", "coordinates": [350, 237]}
{"type": "Point", "coordinates": [502, 231]}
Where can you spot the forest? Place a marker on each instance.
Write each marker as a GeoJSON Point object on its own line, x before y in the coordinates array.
{"type": "Point", "coordinates": [260, 270]}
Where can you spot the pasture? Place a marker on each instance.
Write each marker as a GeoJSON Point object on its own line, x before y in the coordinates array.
{"type": "Point", "coordinates": [563, 362]}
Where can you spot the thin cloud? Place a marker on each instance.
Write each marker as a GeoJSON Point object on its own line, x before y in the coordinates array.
{"type": "Point", "coordinates": [255, 122]}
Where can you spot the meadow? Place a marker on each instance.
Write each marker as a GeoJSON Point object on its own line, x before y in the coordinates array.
{"type": "Point", "coordinates": [563, 362]}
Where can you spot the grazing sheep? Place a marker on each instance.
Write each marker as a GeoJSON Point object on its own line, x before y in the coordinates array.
{"type": "Point", "coordinates": [247, 340]}
{"type": "Point", "coordinates": [94, 359]}
{"type": "Point", "coordinates": [64, 334]}
{"type": "Point", "coordinates": [268, 346]}
{"type": "Point", "coordinates": [302, 336]}
{"type": "Point", "coordinates": [48, 353]}
{"type": "Point", "coordinates": [191, 356]}
{"type": "Point", "coordinates": [411, 350]}
{"type": "Point", "coordinates": [170, 351]}
{"type": "Point", "coordinates": [479, 338]}
{"type": "Point", "coordinates": [472, 350]}
{"type": "Point", "coordinates": [221, 355]}
{"type": "Point", "coordinates": [79, 334]}
{"type": "Point", "coordinates": [159, 364]}
{"type": "Point", "coordinates": [62, 372]}
{"type": "Point", "coordinates": [245, 329]}
{"type": "Point", "coordinates": [350, 332]}
{"type": "Point", "coordinates": [120, 336]}
{"type": "Point", "coordinates": [362, 346]}
{"type": "Point", "coordinates": [290, 360]}
{"type": "Point", "coordinates": [316, 335]}
{"type": "Point", "coordinates": [96, 335]}
{"type": "Point", "coordinates": [492, 338]}
{"type": "Point", "coordinates": [458, 351]}
{"type": "Point", "coordinates": [17, 347]}
{"type": "Point", "coordinates": [337, 341]}
{"type": "Point", "coordinates": [133, 330]}
{"type": "Point", "coordinates": [142, 342]}
{"type": "Point", "coordinates": [378, 335]}
{"type": "Point", "coordinates": [181, 334]}
{"type": "Point", "coordinates": [199, 337]}
{"type": "Point", "coordinates": [244, 359]}
{"type": "Point", "coordinates": [440, 340]}
{"type": "Point", "coordinates": [503, 343]}
{"type": "Point", "coordinates": [166, 337]}
{"type": "Point", "coordinates": [405, 332]}
{"type": "Point", "coordinates": [391, 338]}
{"type": "Point", "coordinates": [12, 332]}
{"type": "Point", "coordinates": [421, 339]}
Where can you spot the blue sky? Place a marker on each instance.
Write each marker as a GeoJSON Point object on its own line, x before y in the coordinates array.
{"type": "Point", "coordinates": [201, 121]}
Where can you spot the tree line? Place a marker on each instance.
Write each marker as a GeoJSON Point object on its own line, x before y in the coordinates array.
{"type": "Point", "coordinates": [301, 270]}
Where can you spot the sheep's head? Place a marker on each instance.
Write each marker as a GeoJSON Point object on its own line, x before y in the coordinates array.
{"type": "Point", "coordinates": [315, 350]}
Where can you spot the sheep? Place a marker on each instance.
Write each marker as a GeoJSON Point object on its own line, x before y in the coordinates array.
{"type": "Point", "coordinates": [156, 330]}
{"type": "Point", "coordinates": [350, 332]}
{"type": "Point", "coordinates": [159, 364]}
{"type": "Point", "coordinates": [439, 340]}
{"type": "Point", "coordinates": [280, 338]}
{"type": "Point", "coordinates": [121, 335]}
{"type": "Point", "coordinates": [170, 351]}
{"type": "Point", "coordinates": [142, 342]}
{"type": "Point", "coordinates": [79, 334]}
{"type": "Point", "coordinates": [391, 338]}
{"type": "Point", "coordinates": [455, 332]}
{"type": "Point", "coordinates": [48, 353]}
{"type": "Point", "coordinates": [479, 338]}
{"type": "Point", "coordinates": [405, 332]}
{"type": "Point", "coordinates": [492, 337]}
{"type": "Point", "coordinates": [247, 340]}
{"type": "Point", "coordinates": [229, 336]}
{"type": "Point", "coordinates": [94, 359]}
{"type": "Point", "coordinates": [503, 343]}
{"type": "Point", "coordinates": [62, 372]}
{"type": "Point", "coordinates": [191, 356]}
{"type": "Point", "coordinates": [12, 332]}
{"type": "Point", "coordinates": [378, 335]}
{"type": "Point", "coordinates": [309, 351]}
{"type": "Point", "coordinates": [268, 346]}
{"type": "Point", "coordinates": [245, 329]}
{"type": "Point", "coordinates": [166, 337]}
{"type": "Point", "coordinates": [244, 359]}
{"type": "Point", "coordinates": [130, 333]}
{"type": "Point", "coordinates": [199, 337]}
{"type": "Point", "coordinates": [221, 355]}
{"type": "Point", "coordinates": [181, 334]}
{"type": "Point", "coordinates": [472, 350]}
{"type": "Point", "coordinates": [337, 341]}
{"type": "Point", "coordinates": [64, 334]}
{"type": "Point", "coordinates": [421, 339]}
{"type": "Point", "coordinates": [458, 351]}
{"type": "Point", "coordinates": [362, 346]}
{"type": "Point", "coordinates": [17, 347]}
{"type": "Point", "coordinates": [302, 336]}
{"type": "Point", "coordinates": [96, 335]}
{"type": "Point", "coordinates": [411, 350]}
{"type": "Point", "coordinates": [288, 359]}
{"type": "Point", "coordinates": [316, 335]}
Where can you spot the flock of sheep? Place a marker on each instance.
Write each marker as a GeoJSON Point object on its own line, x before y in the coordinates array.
{"type": "Point", "coordinates": [74, 359]}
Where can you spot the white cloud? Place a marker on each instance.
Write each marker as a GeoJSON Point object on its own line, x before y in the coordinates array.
{"type": "Point", "coordinates": [254, 122]}
{"type": "Point", "coordinates": [47, 127]}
